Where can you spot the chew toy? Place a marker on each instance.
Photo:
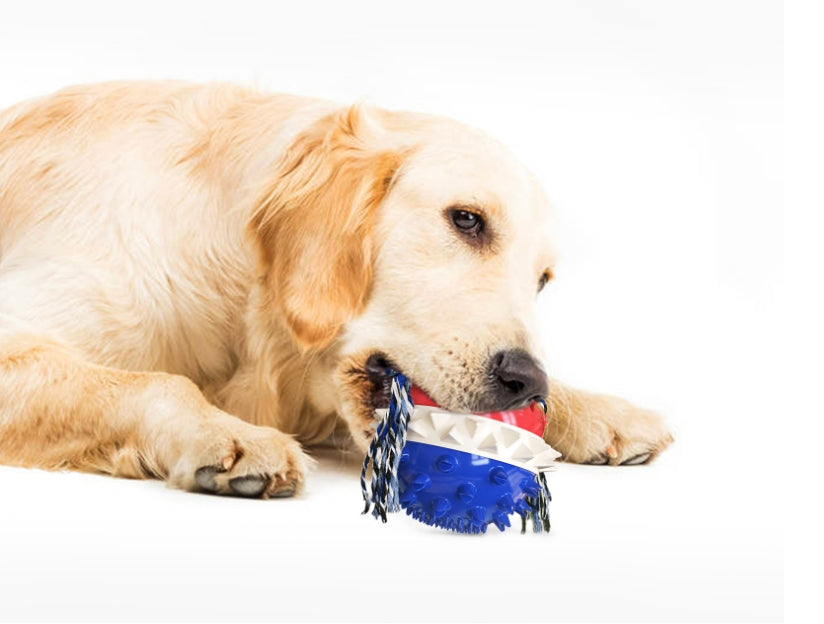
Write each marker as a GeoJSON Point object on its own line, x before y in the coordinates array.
{"type": "Point", "coordinates": [461, 472]}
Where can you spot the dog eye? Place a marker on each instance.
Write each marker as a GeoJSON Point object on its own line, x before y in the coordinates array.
{"type": "Point", "coordinates": [467, 222]}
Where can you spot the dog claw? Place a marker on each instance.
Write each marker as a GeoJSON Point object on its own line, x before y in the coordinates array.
{"type": "Point", "coordinates": [637, 459]}
{"type": "Point", "coordinates": [284, 491]}
{"type": "Point", "coordinates": [598, 460]}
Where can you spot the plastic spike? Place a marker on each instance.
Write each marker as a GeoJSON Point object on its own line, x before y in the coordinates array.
{"type": "Point", "coordinates": [521, 453]}
{"type": "Point", "coordinates": [440, 506]}
{"type": "Point", "coordinates": [544, 457]}
{"type": "Point", "coordinates": [456, 435]}
{"type": "Point", "coordinates": [421, 426]}
{"type": "Point", "coordinates": [498, 476]}
{"type": "Point", "coordinates": [509, 436]}
{"type": "Point", "coordinates": [440, 422]}
{"type": "Point", "coordinates": [501, 520]}
{"type": "Point", "coordinates": [537, 445]}
{"type": "Point", "coordinates": [421, 482]}
{"type": "Point", "coordinates": [466, 492]}
{"type": "Point", "coordinates": [530, 487]}
{"type": "Point", "coordinates": [489, 445]}
{"type": "Point", "coordinates": [446, 463]}
{"type": "Point", "coordinates": [477, 514]}
{"type": "Point", "coordinates": [506, 503]}
{"type": "Point", "coordinates": [408, 498]}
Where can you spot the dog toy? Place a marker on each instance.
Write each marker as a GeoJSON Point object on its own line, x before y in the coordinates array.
{"type": "Point", "coordinates": [461, 472]}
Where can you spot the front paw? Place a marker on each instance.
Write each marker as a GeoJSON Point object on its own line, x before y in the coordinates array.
{"type": "Point", "coordinates": [238, 459]}
{"type": "Point", "coordinates": [608, 430]}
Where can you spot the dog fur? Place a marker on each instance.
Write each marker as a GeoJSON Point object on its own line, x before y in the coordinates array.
{"type": "Point", "coordinates": [192, 279]}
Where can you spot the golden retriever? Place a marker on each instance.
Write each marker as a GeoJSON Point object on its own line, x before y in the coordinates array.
{"type": "Point", "coordinates": [195, 281]}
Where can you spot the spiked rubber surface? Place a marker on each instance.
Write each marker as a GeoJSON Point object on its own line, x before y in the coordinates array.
{"type": "Point", "coordinates": [481, 436]}
{"type": "Point", "coordinates": [461, 491]}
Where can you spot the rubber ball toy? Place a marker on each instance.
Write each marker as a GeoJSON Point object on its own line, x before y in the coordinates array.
{"type": "Point", "coordinates": [460, 472]}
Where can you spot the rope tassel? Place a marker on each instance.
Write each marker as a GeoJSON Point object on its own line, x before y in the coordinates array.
{"type": "Point", "coordinates": [538, 507]}
{"type": "Point", "coordinates": [385, 452]}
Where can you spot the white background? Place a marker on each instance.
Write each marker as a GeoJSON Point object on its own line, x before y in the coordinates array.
{"type": "Point", "coordinates": [656, 128]}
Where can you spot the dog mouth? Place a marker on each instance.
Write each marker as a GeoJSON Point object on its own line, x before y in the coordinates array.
{"type": "Point", "coordinates": [379, 370]}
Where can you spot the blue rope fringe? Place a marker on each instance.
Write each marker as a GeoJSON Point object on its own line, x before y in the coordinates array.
{"type": "Point", "coordinates": [385, 452]}
{"type": "Point", "coordinates": [538, 507]}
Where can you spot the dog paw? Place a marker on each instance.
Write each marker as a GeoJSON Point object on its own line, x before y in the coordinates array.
{"type": "Point", "coordinates": [240, 459]}
{"type": "Point", "coordinates": [608, 430]}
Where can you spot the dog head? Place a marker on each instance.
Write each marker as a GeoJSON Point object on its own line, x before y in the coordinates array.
{"type": "Point", "coordinates": [414, 243]}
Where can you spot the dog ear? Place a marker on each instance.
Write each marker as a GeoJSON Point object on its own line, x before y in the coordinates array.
{"type": "Point", "coordinates": [314, 224]}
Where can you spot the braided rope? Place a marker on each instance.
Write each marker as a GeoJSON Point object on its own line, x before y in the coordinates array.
{"type": "Point", "coordinates": [385, 452]}
{"type": "Point", "coordinates": [538, 507]}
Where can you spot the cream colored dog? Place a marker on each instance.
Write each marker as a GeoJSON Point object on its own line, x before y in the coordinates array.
{"type": "Point", "coordinates": [197, 280]}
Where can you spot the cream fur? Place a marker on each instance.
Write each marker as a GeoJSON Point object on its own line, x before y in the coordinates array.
{"type": "Point", "coordinates": [171, 254]}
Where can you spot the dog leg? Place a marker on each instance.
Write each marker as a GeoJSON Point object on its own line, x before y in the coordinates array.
{"type": "Point", "coordinates": [591, 428]}
{"type": "Point", "coordinates": [58, 411]}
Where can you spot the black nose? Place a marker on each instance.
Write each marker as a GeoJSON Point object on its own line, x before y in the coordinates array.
{"type": "Point", "coordinates": [516, 378]}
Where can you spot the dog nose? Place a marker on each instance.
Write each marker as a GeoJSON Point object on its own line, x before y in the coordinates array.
{"type": "Point", "coordinates": [516, 378]}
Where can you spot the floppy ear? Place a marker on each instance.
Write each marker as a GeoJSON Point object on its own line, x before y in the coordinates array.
{"type": "Point", "coordinates": [314, 224]}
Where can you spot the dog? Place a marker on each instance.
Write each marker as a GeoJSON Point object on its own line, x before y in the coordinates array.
{"type": "Point", "coordinates": [199, 281]}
